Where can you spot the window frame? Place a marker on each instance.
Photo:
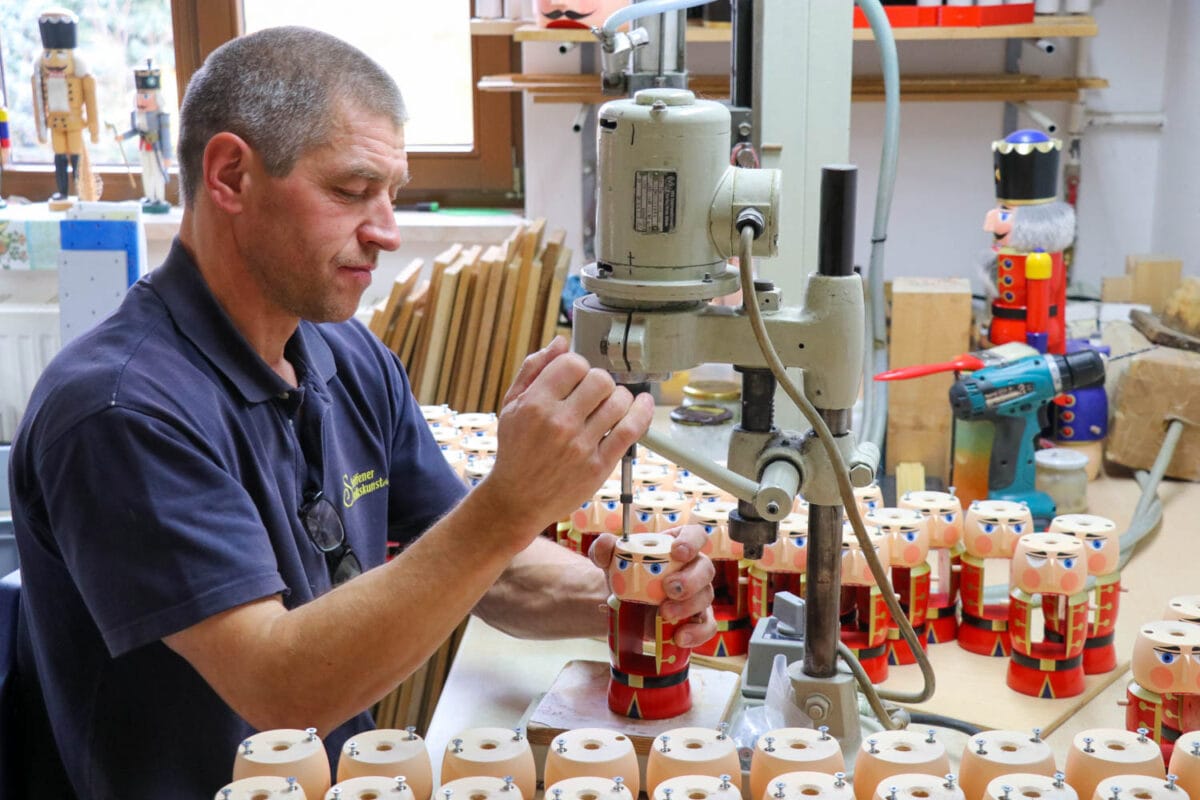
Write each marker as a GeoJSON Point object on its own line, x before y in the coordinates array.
{"type": "Point", "coordinates": [486, 175]}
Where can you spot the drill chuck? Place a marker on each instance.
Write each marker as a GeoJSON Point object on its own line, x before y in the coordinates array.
{"type": "Point", "coordinates": [1080, 370]}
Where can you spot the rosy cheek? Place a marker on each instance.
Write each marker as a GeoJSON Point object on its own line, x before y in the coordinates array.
{"type": "Point", "coordinates": [983, 545]}
{"type": "Point", "coordinates": [1096, 563]}
{"type": "Point", "coordinates": [951, 535]}
{"type": "Point", "coordinates": [1071, 582]}
{"type": "Point", "coordinates": [640, 527]}
{"type": "Point", "coordinates": [654, 590]}
{"type": "Point", "coordinates": [768, 557]}
{"type": "Point", "coordinates": [612, 521]}
{"type": "Point", "coordinates": [708, 546]}
{"type": "Point", "coordinates": [579, 520]}
{"type": "Point", "coordinates": [866, 576]}
{"type": "Point", "coordinates": [1031, 579]}
{"type": "Point", "coordinates": [735, 548]}
{"type": "Point", "coordinates": [618, 583]}
{"type": "Point", "coordinates": [800, 560]}
{"type": "Point", "coordinates": [912, 554]}
{"type": "Point", "coordinates": [1161, 679]}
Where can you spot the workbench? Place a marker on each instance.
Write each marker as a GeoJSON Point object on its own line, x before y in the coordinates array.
{"type": "Point", "coordinates": [495, 678]}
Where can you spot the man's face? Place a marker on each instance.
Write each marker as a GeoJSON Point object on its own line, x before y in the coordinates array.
{"type": "Point", "coordinates": [855, 569]}
{"type": "Point", "coordinates": [311, 239]}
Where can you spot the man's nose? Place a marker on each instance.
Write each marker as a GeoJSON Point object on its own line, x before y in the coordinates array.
{"type": "Point", "coordinates": [381, 229]}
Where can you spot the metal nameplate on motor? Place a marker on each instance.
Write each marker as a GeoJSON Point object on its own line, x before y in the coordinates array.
{"type": "Point", "coordinates": [654, 199]}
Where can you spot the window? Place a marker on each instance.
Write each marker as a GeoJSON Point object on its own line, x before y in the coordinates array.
{"type": "Point", "coordinates": [463, 144]}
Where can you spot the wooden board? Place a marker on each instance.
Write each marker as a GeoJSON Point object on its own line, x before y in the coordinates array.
{"type": "Point", "coordinates": [493, 268]}
{"type": "Point", "coordinates": [441, 309]}
{"type": "Point", "coordinates": [1152, 327]}
{"type": "Point", "coordinates": [494, 387]}
{"type": "Point", "coordinates": [404, 334]}
{"type": "Point", "coordinates": [931, 322]}
{"type": "Point", "coordinates": [554, 301]}
{"type": "Point", "coordinates": [1154, 279]}
{"type": "Point", "coordinates": [451, 374]}
{"type": "Point", "coordinates": [440, 264]}
{"type": "Point", "coordinates": [523, 298]}
{"type": "Point", "coordinates": [1118, 289]}
{"type": "Point", "coordinates": [541, 305]}
{"type": "Point", "coordinates": [401, 286]}
{"type": "Point", "coordinates": [469, 346]}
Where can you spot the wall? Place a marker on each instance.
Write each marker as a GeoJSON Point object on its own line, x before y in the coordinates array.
{"type": "Point", "coordinates": [944, 185]}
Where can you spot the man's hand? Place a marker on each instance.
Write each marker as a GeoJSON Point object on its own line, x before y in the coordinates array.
{"type": "Point", "coordinates": [689, 591]}
{"type": "Point", "coordinates": [563, 427]}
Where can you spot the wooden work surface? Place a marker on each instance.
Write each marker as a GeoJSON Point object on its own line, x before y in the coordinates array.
{"type": "Point", "coordinates": [495, 677]}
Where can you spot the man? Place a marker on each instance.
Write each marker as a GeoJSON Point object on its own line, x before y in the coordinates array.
{"type": "Point", "coordinates": [177, 478]}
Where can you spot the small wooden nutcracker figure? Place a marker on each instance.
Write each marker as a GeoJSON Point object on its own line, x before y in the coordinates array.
{"type": "Point", "coordinates": [1102, 552]}
{"type": "Point", "coordinates": [649, 677]}
{"type": "Point", "coordinates": [1050, 565]}
{"type": "Point", "coordinates": [865, 619]}
{"type": "Point", "coordinates": [152, 126]}
{"type": "Point", "coordinates": [991, 530]}
{"type": "Point", "coordinates": [907, 531]}
{"type": "Point", "coordinates": [64, 96]}
{"type": "Point", "coordinates": [944, 513]}
{"type": "Point", "coordinates": [730, 600]}
{"type": "Point", "coordinates": [5, 147]}
{"type": "Point", "coordinates": [601, 514]}
{"type": "Point", "coordinates": [782, 568]}
{"type": "Point", "coordinates": [586, 14]}
{"type": "Point", "coordinates": [1166, 681]}
{"type": "Point", "coordinates": [1031, 228]}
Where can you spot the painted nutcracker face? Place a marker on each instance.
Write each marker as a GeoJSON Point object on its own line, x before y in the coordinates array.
{"type": "Point", "coordinates": [476, 470]}
{"type": "Point", "coordinates": [475, 424]}
{"type": "Point", "coordinates": [789, 551]}
{"type": "Point", "coordinates": [1166, 657]}
{"type": "Point", "coordinates": [698, 490]}
{"type": "Point", "coordinates": [1101, 542]}
{"type": "Point", "coordinates": [640, 565]}
{"type": "Point", "coordinates": [943, 512]}
{"type": "Point", "coordinates": [714, 518]}
{"type": "Point", "coordinates": [147, 101]}
{"type": "Point", "coordinates": [584, 14]}
{"type": "Point", "coordinates": [648, 475]}
{"type": "Point", "coordinates": [447, 437]}
{"type": "Point", "coordinates": [1186, 608]}
{"type": "Point", "coordinates": [478, 446]}
{"type": "Point", "coordinates": [1048, 563]}
{"type": "Point", "coordinates": [654, 512]}
{"type": "Point", "coordinates": [907, 532]}
{"type": "Point", "coordinates": [992, 527]}
{"type": "Point", "coordinates": [56, 63]}
{"type": "Point", "coordinates": [602, 512]}
{"type": "Point", "coordinates": [999, 223]}
{"type": "Point", "coordinates": [437, 414]}
{"type": "Point", "coordinates": [855, 570]}
{"type": "Point", "coordinates": [869, 498]}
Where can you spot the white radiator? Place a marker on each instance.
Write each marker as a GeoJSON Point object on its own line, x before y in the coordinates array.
{"type": "Point", "coordinates": [29, 338]}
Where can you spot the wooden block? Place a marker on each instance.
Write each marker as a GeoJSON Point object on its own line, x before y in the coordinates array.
{"type": "Point", "coordinates": [1155, 277]}
{"type": "Point", "coordinates": [466, 280]}
{"type": "Point", "coordinates": [910, 477]}
{"type": "Point", "coordinates": [541, 305]}
{"type": "Point", "coordinates": [403, 332]}
{"type": "Point", "coordinates": [1159, 385]}
{"type": "Point", "coordinates": [400, 288]}
{"type": "Point", "coordinates": [494, 386]}
{"type": "Point", "coordinates": [554, 299]}
{"type": "Point", "coordinates": [441, 309]}
{"type": "Point", "coordinates": [931, 322]}
{"type": "Point", "coordinates": [492, 270]}
{"type": "Point", "coordinates": [440, 264]}
{"type": "Point", "coordinates": [522, 316]}
{"type": "Point", "coordinates": [1118, 289]}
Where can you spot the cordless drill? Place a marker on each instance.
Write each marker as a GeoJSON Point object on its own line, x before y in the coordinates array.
{"type": "Point", "coordinates": [1014, 395]}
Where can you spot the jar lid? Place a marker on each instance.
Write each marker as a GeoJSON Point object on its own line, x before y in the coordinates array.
{"type": "Point", "coordinates": [718, 391]}
{"type": "Point", "coordinates": [701, 415]}
{"type": "Point", "coordinates": [1062, 458]}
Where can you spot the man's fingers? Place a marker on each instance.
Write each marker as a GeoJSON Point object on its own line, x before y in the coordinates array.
{"type": "Point", "coordinates": [689, 540]}
{"type": "Point", "coordinates": [610, 412]}
{"type": "Point", "coordinates": [532, 366]}
{"type": "Point", "coordinates": [631, 427]}
{"type": "Point", "coordinates": [601, 551]}
{"type": "Point", "coordinates": [696, 631]}
{"type": "Point", "coordinates": [678, 610]}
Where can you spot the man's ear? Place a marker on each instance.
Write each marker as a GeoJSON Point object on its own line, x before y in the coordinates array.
{"type": "Point", "coordinates": [226, 169]}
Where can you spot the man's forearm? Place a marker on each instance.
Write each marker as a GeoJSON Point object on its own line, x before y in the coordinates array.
{"type": "Point", "coordinates": [547, 592]}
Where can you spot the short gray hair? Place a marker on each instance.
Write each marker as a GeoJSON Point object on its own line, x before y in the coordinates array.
{"type": "Point", "coordinates": [278, 89]}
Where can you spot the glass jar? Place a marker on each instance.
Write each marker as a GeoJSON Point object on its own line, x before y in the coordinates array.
{"type": "Point", "coordinates": [1062, 474]}
{"type": "Point", "coordinates": [725, 394]}
{"type": "Point", "coordinates": [703, 430]}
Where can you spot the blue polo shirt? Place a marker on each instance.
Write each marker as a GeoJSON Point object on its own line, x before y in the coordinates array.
{"type": "Point", "coordinates": [156, 480]}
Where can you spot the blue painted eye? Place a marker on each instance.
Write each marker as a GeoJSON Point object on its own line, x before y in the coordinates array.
{"type": "Point", "coordinates": [709, 529]}
{"type": "Point", "coordinates": [623, 564]}
{"type": "Point", "coordinates": [672, 516]}
{"type": "Point", "coordinates": [988, 527]}
{"type": "Point", "coordinates": [1005, 216]}
{"type": "Point", "coordinates": [872, 504]}
{"type": "Point", "coordinates": [655, 568]}
{"type": "Point", "coordinates": [586, 504]}
{"type": "Point", "coordinates": [1167, 658]}
{"type": "Point", "coordinates": [1019, 528]}
{"type": "Point", "coordinates": [910, 536]}
{"type": "Point", "coordinates": [948, 517]}
{"type": "Point", "coordinates": [644, 516]}
{"type": "Point", "coordinates": [684, 473]}
{"type": "Point", "coordinates": [611, 505]}
{"type": "Point", "coordinates": [1097, 544]}
{"type": "Point", "coordinates": [799, 539]}
{"type": "Point", "coordinates": [1068, 563]}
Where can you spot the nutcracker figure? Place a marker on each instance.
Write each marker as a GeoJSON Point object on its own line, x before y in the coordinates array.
{"type": "Point", "coordinates": [1050, 565]}
{"type": "Point", "coordinates": [601, 514]}
{"type": "Point", "coordinates": [1102, 552]}
{"type": "Point", "coordinates": [5, 146]}
{"type": "Point", "coordinates": [654, 511]}
{"type": "Point", "coordinates": [1031, 228]}
{"type": "Point", "coordinates": [907, 532]}
{"type": "Point", "coordinates": [584, 14]}
{"type": "Point", "coordinates": [991, 530]}
{"type": "Point", "coordinates": [64, 96]}
{"type": "Point", "coordinates": [730, 601]}
{"type": "Point", "coordinates": [649, 671]}
{"type": "Point", "coordinates": [944, 514]}
{"type": "Point", "coordinates": [782, 567]}
{"type": "Point", "coordinates": [152, 126]}
{"type": "Point", "coordinates": [1166, 682]}
{"type": "Point", "coordinates": [865, 617]}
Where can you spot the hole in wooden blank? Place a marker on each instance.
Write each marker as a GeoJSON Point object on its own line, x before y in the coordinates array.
{"type": "Point", "coordinates": [903, 748]}
{"type": "Point", "coordinates": [920, 793]}
{"type": "Point", "coordinates": [369, 796]}
{"type": "Point", "coordinates": [589, 796]}
{"type": "Point", "coordinates": [694, 745]}
{"type": "Point", "coordinates": [1115, 746]}
{"type": "Point", "coordinates": [383, 747]}
{"type": "Point", "coordinates": [697, 794]}
{"type": "Point", "coordinates": [810, 791]}
{"type": "Point", "coordinates": [479, 796]}
{"type": "Point", "coordinates": [1142, 795]}
{"type": "Point", "coordinates": [279, 748]}
{"type": "Point", "coordinates": [799, 745]}
{"type": "Point", "coordinates": [1008, 748]}
{"type": "Point", "coordinates": [591, 745]}
{"type": "Point", "coordinates": [261, 796]}
{"type": "Point", "coordinates": [488, 746]}
{"type": "Point", "coordinates": [1031, 793]}
{"type": "Point", "coordinates": [620, 738]}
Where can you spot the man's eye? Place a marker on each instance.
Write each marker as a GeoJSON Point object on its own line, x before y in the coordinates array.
{"type": "Point", "coordinates": [586, 504]}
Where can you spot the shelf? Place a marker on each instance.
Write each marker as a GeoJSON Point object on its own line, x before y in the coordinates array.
{"type": "Point", "coordinates": [495, 27]}
{"type": "Point", "coordinates": [571, 88]}
{"type": "Point", "coordinates": [1056, 26]}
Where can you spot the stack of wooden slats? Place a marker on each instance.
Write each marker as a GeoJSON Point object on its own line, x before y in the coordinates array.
{"type": "Point", "coordinates": [463, 332]}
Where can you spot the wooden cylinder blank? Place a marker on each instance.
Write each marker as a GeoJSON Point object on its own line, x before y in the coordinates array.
{"type": "Point", "coordinates": [388, 753]}
{"type": "Point", "coordinates": [286, 753]}
{"type": "Point", "coordinates": [1110, 752]}
{"type": "Point", "coordinates": [792, 750]}
{"type": "Point", "coordinates": [697, 787]}
{"type": "Point", "coordinates": [1185, 763]}
{"type": "Point", "coordinates": [691, 751]}
{"type": "Point", "coordinates": [493, 752]}
{"type": "Point", "coordinates": [371, 787]}
{"type": "Point", "coordinates": [260, 787]}
{"type": "Point", "coordinates": [1141, 787]}
{"type": "Point", "coordinates": [994, 753]}
{"type": "Point", "coordinates": [587, 788]}
{"type": "Point", "coordinates": [806, 785]}
{"type": "Point", "coordinates": [479, 787]}
{"type": "Point", "coordinates": [1027, 786]}
{"type": "Point", "coordinates": [890, 753]}
{"type": "Point", "coordinates": [918, 786]}
{"type": "Point", "coordinates": [592, 752]}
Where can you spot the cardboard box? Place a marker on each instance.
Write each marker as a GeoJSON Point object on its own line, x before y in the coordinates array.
{"type": "Point", "coordinates": [1159, 385]}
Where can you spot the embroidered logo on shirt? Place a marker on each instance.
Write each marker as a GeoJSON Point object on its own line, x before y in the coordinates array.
{"type": "Point", "coordinates": [360, 484]}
